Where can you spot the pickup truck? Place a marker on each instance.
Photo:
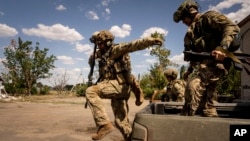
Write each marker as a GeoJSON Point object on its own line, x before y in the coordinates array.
{"type": "Point", "coordinates": [161, 121]}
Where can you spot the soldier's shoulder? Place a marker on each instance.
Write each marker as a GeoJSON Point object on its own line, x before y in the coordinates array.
{"type": "Point", "coordinates": [180, 82]}
{"type": "Point", "coordinates": [213, 14]}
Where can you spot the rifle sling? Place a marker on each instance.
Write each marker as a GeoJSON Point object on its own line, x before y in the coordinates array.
{"type": "Point", "coordinates": [233, 57]}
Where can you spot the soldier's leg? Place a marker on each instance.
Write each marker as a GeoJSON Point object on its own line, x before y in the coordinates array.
{"type": "Point", "coordinates": [213, 75]}
{"type": "Point", "coordinates": [121, 109]}
{"type": "Point", "coordinates": [100, 116]}
{"type": "Point", "coordinates": [96, 105]}
{"type": "Point", "coordinates": [193, 94]}
{"type": "Point", "coordinates": [209, 109]}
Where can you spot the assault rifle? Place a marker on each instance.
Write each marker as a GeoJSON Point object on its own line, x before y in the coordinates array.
{"type": "Point", "coordinates": [239, 59]}
{"type": "Point", "coordinates": [90, 76]}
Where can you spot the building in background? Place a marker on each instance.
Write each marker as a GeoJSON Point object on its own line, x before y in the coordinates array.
{"type": "Point", "coordinates": [245, 48]}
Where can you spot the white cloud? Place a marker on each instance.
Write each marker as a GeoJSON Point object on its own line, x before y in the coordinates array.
{"type": "Point", "coordinates": [83, 48]}
{"type": "Point", "coordinates": [140, 66]}
{"type": "Point", "coordinates": [86, 48]}
{"type": "Point", "coordinates": [236, 15]}
{"type": "Point", "coordinates": [1, 13]}
{"type": "Point", "coordinates": [151, 61]}
{"type": "Point", "coordinates": [7, 31]}
{"type": "Point", "coordinates": [54, 32]}
{"type": "Point", "coordinates": [152, 30]}
{"type": "Point", "coordinates": [73, 75]}
{"type": "Point", "coordinates": [106, 2]}
{"type": "Point", "coordinates": [92, 15]}
{"type": "Point", "coordinates": [121, 32]}
{"type": "Point", "coordinates": [79, 59]}
{"type": "Point", "coordinates": [146, 54]}
{"type": "Point", "coordinates": [107, 13]}
{"type": "Point", "coordinates": [178, 59]}
{"type": "Point", "coordinates": [107, 10]}
{"type": "Point", "coordinates": [60, 8]}
{"type": "Point", "coordinates": [66, 60]}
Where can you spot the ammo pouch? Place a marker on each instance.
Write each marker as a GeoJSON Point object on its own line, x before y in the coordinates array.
{"type": "Point", "coordinates": [122, 72]}
{"type": "Point", "coordinates": [123, 75]}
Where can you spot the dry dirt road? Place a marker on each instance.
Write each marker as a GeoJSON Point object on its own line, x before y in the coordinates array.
{"type": "Point", "coordinates": [54, 119]}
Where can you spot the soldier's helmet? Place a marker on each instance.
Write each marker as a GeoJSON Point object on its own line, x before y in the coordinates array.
{"type": "Point", "coordinates": [171, 73]}
{"type": "Point", "coordinates": [102, 36]}
{"type": "Point", "coordinates": [187, 8]}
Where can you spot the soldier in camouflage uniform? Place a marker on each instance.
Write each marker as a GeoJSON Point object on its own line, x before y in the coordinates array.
{"type": "Point", "coordinates": [115, 83]}
{"type": "Point", "coordinates": [209, 32]}
{"type": "Point", "coordinates": [175, 88]}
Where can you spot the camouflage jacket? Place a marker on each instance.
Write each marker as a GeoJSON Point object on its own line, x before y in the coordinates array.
{"type": "Point", "coordinates": [175, 90]}
{"type": "Point", "coordinates": [115, 62]}
{"type": "Point", "coordinates": [209, 31]}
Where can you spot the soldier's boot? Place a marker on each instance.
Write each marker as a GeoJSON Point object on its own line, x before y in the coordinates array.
{"type": "Point", "coordinates": [187, 110]}
{"type": "Point", "coordinates": [128, 137]}
{"type": "Point", "coordinates": [103, 131]}
{"type": "Point", "coordinates": [210, 112]}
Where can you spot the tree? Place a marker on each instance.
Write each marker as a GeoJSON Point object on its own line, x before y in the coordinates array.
{"type": "Point", "coordinates": [26, 65]}
{"type": "Point", "coordinates": [156, 79]}
{"type": "Point", "coordinates": [229, 83]}
{"type": "Point", "coordinates": [157, 70]}
{"type": "Point", "coordinates": [182, 71]}
{"type": "Point", "coordinates": [59, 81]}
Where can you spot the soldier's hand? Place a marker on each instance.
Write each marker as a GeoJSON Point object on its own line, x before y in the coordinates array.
{"type": "Point", "coordinates": [155, 41]}
{"type": "Point", "coordinates": [158, 41]}
{"type": "Point", "coordinates": [218, 55]}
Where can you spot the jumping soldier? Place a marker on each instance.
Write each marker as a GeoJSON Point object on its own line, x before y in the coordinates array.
{"type": "Point", "coordinates": [115, 82]}
{"type": "Point", "coordinates": [210, 32]}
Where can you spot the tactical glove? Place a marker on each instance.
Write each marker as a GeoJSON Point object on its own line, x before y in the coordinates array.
{"type": "Point", "coordinates": [155, 41]}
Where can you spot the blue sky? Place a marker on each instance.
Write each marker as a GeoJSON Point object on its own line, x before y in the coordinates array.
{"type": "Point", "coordinates": [64, 27]}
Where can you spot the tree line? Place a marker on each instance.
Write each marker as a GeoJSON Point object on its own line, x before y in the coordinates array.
{"type": "Point", "coordinates": [25, 65]}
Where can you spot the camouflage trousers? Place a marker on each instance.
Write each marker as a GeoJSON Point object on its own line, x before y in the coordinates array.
{"type": "Point", "coordinates": [200, 92]}
{"type": "Point", "coordinates": [119, 95]}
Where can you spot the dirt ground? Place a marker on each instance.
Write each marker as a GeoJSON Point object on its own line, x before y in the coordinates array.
{"type": "Point", "coordinates": [54, 119]}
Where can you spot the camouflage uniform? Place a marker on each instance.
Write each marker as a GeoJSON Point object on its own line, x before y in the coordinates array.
{"type": "Point", "coordinates": [176, 87]}
{"type": "Point", "coordinates": [207, 31]}
{"type": "Point", "coordinates": [115, 84]}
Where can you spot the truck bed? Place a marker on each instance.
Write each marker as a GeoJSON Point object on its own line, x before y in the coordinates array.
{"type": "Point", "coordinates": [161, 121]}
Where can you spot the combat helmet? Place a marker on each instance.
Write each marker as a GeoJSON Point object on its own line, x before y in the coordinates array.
{"type": "Point", "coordinates": [102, 36]}
{"type": "Point", "coordinates": [187, 8]}
{"type": "Point", "coordinates": [171, 73]}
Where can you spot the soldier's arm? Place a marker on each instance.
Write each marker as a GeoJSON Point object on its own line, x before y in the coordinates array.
{"type": "Point", "coordinates": [229, 29]}
{"type": "Point", "coordinates": [139, 44]}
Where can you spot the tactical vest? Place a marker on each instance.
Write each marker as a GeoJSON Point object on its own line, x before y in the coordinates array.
{"type": "Point", "coordinates": [119, 69]}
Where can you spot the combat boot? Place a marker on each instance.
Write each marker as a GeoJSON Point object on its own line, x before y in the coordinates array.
{"type": "Point", "coordinates": [210, 112]}
{"type": "Point", "coordinates": [103, 131]}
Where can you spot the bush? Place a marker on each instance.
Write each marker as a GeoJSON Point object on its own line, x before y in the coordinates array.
{"type": "Point", "coordinates": [44, 90]}
{"type": "Point", "coordinates": [148, 92]}
{"type": "Point", "coordinates": [34, 90]}
{"type": "Point", "coordinates": [80, 90]}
